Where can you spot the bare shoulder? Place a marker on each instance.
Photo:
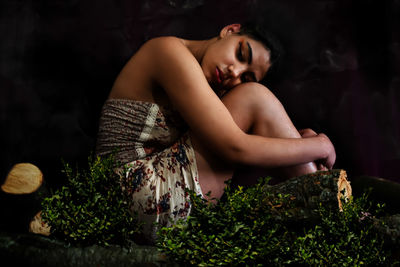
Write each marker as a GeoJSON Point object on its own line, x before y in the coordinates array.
{"type": "Point", "coordinates": [172, 65]}
{"type": "Point", "coordinates": [165, 42]}
{"type": "Point", "coordinates": [157, 49]}
{"type": "Point", "coordinates": [139, 77]}
{"type": "Point", "coordinates": [168, 49]}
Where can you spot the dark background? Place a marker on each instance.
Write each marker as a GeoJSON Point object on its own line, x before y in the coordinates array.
{"type": "Point", "coordinates": [59, 58]}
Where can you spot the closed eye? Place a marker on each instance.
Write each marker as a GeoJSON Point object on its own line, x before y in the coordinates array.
{"type": "Point", "coordinates": [239, 53]}
{"type": "Point", "coordinates": [250, 53]}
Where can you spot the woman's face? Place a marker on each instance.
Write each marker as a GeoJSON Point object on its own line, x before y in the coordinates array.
{"type": "Point", "coordinates": [234, 59]}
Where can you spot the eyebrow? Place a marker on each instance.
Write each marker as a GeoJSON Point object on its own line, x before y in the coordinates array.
{"type": "Point", "coordinates": [250, 57]}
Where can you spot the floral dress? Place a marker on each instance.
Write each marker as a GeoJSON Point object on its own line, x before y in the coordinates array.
{"type": "Point", "coordinates": [158, 157]}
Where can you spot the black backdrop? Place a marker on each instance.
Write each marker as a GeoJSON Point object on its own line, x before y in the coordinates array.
{"type": "Point", "coordinates": [59, 58]}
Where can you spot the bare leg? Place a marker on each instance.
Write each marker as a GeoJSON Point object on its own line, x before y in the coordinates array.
{"type": "Point", "coordinates": [255, 110]}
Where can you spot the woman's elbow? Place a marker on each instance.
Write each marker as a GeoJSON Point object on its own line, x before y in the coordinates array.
{"type": "Point", "coordinates": [235, 153]}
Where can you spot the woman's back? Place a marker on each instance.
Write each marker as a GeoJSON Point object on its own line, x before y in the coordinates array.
{"type": "Point", "coordinates": [136, 81]}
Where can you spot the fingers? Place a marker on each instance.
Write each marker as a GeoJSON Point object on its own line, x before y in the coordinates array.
{"type": "Point", "coordinates": [327, 162]}
{"type": "Point", "coordinates": [321, 167]}
{"type": "Point", "coordinates": [307, 133]}
{"type": "Point", "coordinates": [330, 159]}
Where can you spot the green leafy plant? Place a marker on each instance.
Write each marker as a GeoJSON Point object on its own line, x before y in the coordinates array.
{"type": "Point", "coordinates": [91, 208]}
{"type": "Point", "coordinates": [255, 228]}
{"type": "Point", "coordinates": [346, 238]}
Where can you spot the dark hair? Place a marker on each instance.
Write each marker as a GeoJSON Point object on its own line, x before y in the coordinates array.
{"type": "Point", "coordinates": [259, 33]}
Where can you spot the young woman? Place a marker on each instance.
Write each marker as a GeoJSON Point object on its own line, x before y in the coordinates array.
{"type": "Point", "coordinates": [184, 113]}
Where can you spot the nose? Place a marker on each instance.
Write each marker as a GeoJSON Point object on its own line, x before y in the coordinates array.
{"type": "Point", "coordinates": [235, 73]}
{"type": "Point", "coordinates": [235, 70]}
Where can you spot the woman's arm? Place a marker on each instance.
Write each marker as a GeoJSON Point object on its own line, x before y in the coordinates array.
{"type": "Point", "coordinates": [176, 70]}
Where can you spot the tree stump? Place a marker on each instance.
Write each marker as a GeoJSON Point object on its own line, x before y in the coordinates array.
{"type": "Point", "coordinates": [23, 178]}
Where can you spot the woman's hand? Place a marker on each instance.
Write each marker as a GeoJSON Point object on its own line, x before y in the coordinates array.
{"type": "Point", "coordinates": [330, 160]}
{"type": "Point", "coordinates": [327, 162]}
{"type": "Point", "coordinates": [305, 133]}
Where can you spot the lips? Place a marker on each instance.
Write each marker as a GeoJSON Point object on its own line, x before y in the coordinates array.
{"type": "Point", "coordinates": [219, 75]}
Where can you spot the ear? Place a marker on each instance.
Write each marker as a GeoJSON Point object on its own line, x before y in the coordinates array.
{"type": "Point", "coordinates": [229, 29]}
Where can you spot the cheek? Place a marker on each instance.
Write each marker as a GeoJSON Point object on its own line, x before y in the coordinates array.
{"type": "Point", "coordinates": [227, 57]}
{"type": "Point", "coordinates": [205, 70]}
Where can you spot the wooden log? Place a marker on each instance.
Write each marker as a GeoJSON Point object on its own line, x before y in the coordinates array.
{"type": "Point", "coordinates": [26, 179]}
{"type": "Point", "coordinates": [23, 178]}
{"type": "Point", "coordinates": [307, 191]}
{"type": "Point", "coordinates": [331, 188]}
{"type": "Point", "coordinates": [38, 226]}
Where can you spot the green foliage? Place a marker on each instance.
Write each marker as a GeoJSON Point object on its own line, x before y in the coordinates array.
{"type": "Point", "coordinates": [345, 238]}
{"type": "Point", "coordinates": [255, 228]}
{"type": "Point", "coordinates": [91, 208]}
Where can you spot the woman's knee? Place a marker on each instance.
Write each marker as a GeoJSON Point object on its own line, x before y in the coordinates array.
{"type": "Point", "coordinates": [257, 110]}
{"type": "Point", "coordinates": [250, 102]}
{"type": "Point", "coordinates": [252, 94]}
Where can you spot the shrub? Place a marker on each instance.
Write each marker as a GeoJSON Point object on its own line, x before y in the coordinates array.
{"type": "Point", "coordinates": [91, 208]}
{"type": "Point", "coordinates": [252, 227]}
{"type": "Point", "coordinates": [346, 238]}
